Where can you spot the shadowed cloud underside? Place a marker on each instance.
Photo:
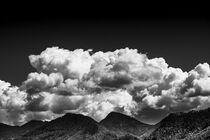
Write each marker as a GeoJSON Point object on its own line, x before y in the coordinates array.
{"type": "Point", "coordinates": [97, 83]}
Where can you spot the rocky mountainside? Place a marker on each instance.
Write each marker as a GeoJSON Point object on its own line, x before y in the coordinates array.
{"type": "Point", "coordinates": [70, 126]}
{"type": "Point", "coordinates": [123, 124]}
{"type": "Point", "coordinates": [79, 127]}
{"type": "Point", "coordinates": [115, 126]}
{"type": "Point", "coordinates": [193, 125]}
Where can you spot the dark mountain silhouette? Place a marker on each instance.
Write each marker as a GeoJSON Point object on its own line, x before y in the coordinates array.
{"type": "Point", "coordinates": [78, 127]}
{"type": "Point", "coordinates": [123, 124]}
{"type": "Point", "coordinates": [70, 126]}
{"type": "Point", "coordinates": [193, 125]}
{"type": "Point", "coordinates": [32, 125]}
{"type": "Point", "coordinates": [11, 132]}
{"type": "Point", "coordinates": [7, 131]}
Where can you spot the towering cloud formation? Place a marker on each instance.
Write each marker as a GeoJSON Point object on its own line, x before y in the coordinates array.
{"type": "Point", "coordinates": [95, 84]}
{"type": "Point", "coordinates": [12, 103]}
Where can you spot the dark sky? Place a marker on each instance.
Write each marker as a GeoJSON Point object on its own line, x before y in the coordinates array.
{"type": "Point", "coordinates": [180, 35]}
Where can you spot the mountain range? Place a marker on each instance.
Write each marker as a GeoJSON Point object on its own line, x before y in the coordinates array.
{"type": "Point", "coordinates": [194, 125]}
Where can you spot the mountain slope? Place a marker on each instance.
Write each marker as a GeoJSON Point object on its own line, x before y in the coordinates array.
{"type": "Point", "coordinates": [122, 124]}
{"type": "Point", "coordinates": [10, 132]}
{"type": "Point", "coordinates": [30, 126]}
{"type": "Point", "coordinates": [7, 131]}
{"type": "Point", "coordinates": [191, 125]}
{"type": "Point", "coordinates": [78, 127]}
{"type": "Point", "coordinates": [69, 126]}
{"type": "Point", "coordinates": [194, 125]}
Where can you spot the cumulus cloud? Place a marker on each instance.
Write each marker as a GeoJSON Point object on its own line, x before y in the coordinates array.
{"type": "Point", "coordinates": [98, 106]}
{"type": "Point", "coordinates": [12, 103]}
{"type": "Point", "coordinates": [95, 84]}
{"type": "Point", "coordinates": [72, 64]}
{"type": "Point", "coordinates": [43, 81]}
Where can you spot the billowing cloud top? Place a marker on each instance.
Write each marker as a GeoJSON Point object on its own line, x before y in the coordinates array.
{"type": "Point", "coordinates": [95, 84]}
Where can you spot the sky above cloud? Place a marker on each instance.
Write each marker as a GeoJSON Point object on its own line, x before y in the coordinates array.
{"type": "Point", "coordinates": [96, 83]}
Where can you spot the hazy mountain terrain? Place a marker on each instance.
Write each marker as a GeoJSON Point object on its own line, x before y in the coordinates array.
{"type": "Point", "coordinates": [79, 127]}
{"type": "Point", "coordinates": [122, 124]}
{"type": "Point", "coordinates": [194, 125]}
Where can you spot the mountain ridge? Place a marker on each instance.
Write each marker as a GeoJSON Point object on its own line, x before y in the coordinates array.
{"type": "Point", "coordinates": [125, 124]}
{"type": "Point", "coordinates": [10, 132]}
{"type": "Point", "coordinates": [193, 125]}
{"type": "Point", "coordinates": [184, 125]}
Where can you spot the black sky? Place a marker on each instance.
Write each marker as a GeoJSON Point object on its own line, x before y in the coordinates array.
{"type": "Point", "coordinates": [180, 35]}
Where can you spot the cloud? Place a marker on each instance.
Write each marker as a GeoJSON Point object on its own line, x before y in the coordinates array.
{"type": "Point", "coordinates": [72, 64]}
{"type": "Point", "coordinates": [95, 84]}
{"type": "Point", "coordinates": [98, 106]}
{"type": "Point", "coordinates": [12, 103]}
{"type": "Point", "coordinates": [42, 81]}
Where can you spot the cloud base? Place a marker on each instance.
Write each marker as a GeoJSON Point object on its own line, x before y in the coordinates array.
{"type": "Point", "coordinates": [95, 84]}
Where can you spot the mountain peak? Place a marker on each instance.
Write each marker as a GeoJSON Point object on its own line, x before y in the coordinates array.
{"type": "Point", "coordinates": [77, 119]}
{"type": "Point", "coordinates": [69, 124]}
{"type": "Point", "coordinates": [116, 114]}
{"type": "Point", "coordinates": [116, 118]}
{"type": "Point", "coordinates": [33, 122]}
{"type": "Point", "coordinates": [124, 124]}
{"type": "Point", "coordinates": [191, 125]}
